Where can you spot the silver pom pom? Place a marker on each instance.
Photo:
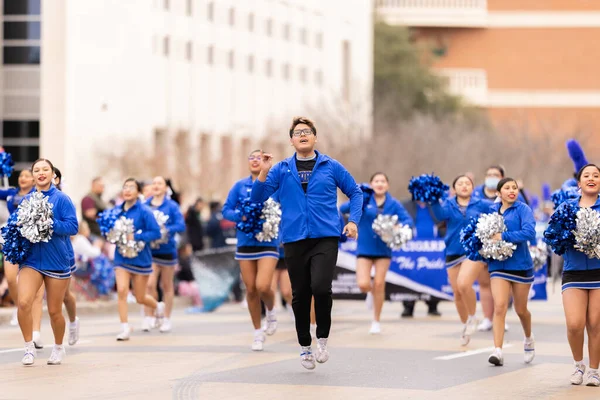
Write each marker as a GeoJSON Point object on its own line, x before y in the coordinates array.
{"type": "Point", "coordinates": [487, 226]}
{"type": "Point", "coordinates": [539, 254]}
{"type": "Point", "coordinates": [161, 219]}
{"type": "Point", "coordinates": [34, 217]}
{"type": "Point", "coordinates": [393, 234]}
{"type": "Point", "coordinates": [587, 233]}
{"type": "Point", "coordinates": [120, 234]}
{"type": "Point", "coordinates": [271, 213]}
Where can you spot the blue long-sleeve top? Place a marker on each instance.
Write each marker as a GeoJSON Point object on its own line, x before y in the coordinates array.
{"type": "Point", "coordinates": [12, 198]}
{"type": "Point", "coordinates": [175, 224]}
{"type": "Point", "coordinates": [313, 214]}
{"type": "Point", "coordinates": [146, 230]}
{"type": "Point", "coordinates": [520, 230]}
{"type": "Point", "coordinates": [456, 219]}
{"type": "Point", "coordinates": [369, 243]}
{"type": "Point", "coordinates": [576, 260]}
{"type": "Point", "coordinates": [56, 254]}
{"type": "Point", "coordinates": [239, 192]}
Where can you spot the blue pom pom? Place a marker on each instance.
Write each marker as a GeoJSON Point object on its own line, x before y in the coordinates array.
{"type": "Point", "coordinates": [576, 154]}
{"type": "Point", "coordinates": [470, 242]}
{"type": "Point", "coordinates": [16, 248]}
{"type": "Point", "coordinates": [546, 192]}
{"type": "Point", "coordinates": [428, 188]}
{"type": "Point", "coordinates": [559, 234]}
{"type": "Point", "coordinates": [253, 223]}
{"type": "Point", "coordinates": [534, 202]}
{"type": "Point", "coordinates": [6, 164]}
{"type": "Point", "coordinates": [368, 192]}
{"type": "Point", "coordinates": [106, 219]}
{"type": "Point", "coordinates": [562, 195]}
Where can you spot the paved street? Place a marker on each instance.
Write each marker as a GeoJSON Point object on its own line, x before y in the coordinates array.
{"type": "Point", "coordinates": [207, 356]}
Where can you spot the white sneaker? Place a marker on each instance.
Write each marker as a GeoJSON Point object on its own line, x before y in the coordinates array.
{"type": "Point", "coordinates": [313, 331]}
{"type": "Point", "coordinates": [29, 357]}
{"type": "Point", "coordinates": [592, 379]}
{"type": "Point", "coordinates": [147, 324]}
{"type": "Point", "coordinates": [485, 325]}
{"type": "Point", "coordinates": [577, 375]}
{"type": "Point", "coordinates": [529, 348]}
{"type": "Point", "coordinates": [159, 313]}
{"type": "Point", "coordinates": [464, 337]}
{"type": "Point", "coordinates": [270, 323]}
{"type": "Point", "coordinates": [37, 340]}
{"type": "Point", "coordinates": [74, 332]}
{"type": "Point", "coordinates": [306, 358]}
{"type": "Point", "coordinates": [369, 301]}
{"type": "Point", "coordinates": [14, 321]}
{"type": "Point", "coordinates": [471, 326]}
{"type": "Point", "coordinates": [123, 336]}
{"type": "Point", "coordinates": [258, 343]}
{"type": "Point", "coordinates": [244, 304]}
{"type": "Point", "coordinates": [506, 327]}
{"type": "Point", "coordinates": [322, 353]}
{"type": "Point", "coordinates": [166, 326]}
{"type": "Point", "coordinates": [375, 328]}
{"type": "Point", "coordinates": [496, 358]}
{"type": "Point", "coordinates": [58, 352]}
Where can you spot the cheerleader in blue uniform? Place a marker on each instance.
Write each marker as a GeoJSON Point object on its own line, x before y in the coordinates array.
{"type": "Point", "coordinates": [164, 255]}
{"type": "Point", "coordinates": [514, 273]}
{"type": "Point", "coordinates": [257, 259]}
{"type": "Point", "coordinates": [47, 263]}
{"type": "Point", "coordinates": [372, 251]}
{"type": "Point", "coordinates": [581, 288]}
{"type": "Point", "coordinates": [138, 269]}
{"type": "Point", "coordinates": [462, 273]}
{"type": "Point", "coordinates": [12, 197]}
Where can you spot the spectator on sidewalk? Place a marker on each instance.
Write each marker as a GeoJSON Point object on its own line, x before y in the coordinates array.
{"type": "Point", "coordinates": [193, 224]}
{"type": "Point", "coordinates": [92, 204]}
{"type": "Point", "coordinates": [214, 230]}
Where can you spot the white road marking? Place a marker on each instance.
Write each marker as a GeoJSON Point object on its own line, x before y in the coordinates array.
{"type": "Point", "coordinates": [47, 347]}
{"type": "Point", "coordinates": [468, 353]}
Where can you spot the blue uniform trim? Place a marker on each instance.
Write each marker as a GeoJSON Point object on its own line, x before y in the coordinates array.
{"type": "Point", "coordinates": [512, 278]}
{"type": "Point", "coordinates": [49, 274]}
{"type": "Point", "coordinates": [257, 256]}
{"type": "Point", "coordinates": [134, 269]}
{"type": "Point", "coordinates": [454, 263]}
{"type": "Point", "coordinates": [164, 263]}
{"type": "Point", "coordinates": [581, 285]}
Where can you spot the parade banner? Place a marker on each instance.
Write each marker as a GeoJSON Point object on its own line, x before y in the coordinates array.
{"type": "Point", "coordinates": [417, 272]}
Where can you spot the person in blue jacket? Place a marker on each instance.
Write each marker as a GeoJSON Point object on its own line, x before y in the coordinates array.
{"type": "Point", "coordinates": [164, 254]}
{"type": "Point", "coordinates": [257, 259]}
{"type": "Point", "coordinates": [581, 287]}
{"type": "Point", "coordinates": [462, 273]}
{"type": "Point", "coordinates": [47, 263]}
{"type": "Point", "coordinates": [372, 251]}
{"type": "Point", "coordinates": [136, 270]}
{"type": "Point", "coordinates": [515, 273]}
{"type": "Point", "coordinates": [310, 228]}
{"type": "Point", "coordinates": [13, 197]}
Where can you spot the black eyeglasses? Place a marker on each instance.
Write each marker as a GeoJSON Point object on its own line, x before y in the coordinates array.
{"type": "Point", "coordinates": [300, 132]}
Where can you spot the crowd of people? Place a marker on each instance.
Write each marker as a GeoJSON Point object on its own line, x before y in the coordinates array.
{"type": "Point", "coordinates": [301, 260]}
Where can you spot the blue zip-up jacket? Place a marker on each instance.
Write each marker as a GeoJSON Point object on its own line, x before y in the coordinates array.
{"type": "Point", "coordinates": [369, 243]}
{"type": "Point", "coordinates": [174, 224]}
{"type": "Point", "coordinates": [55, 255]}
{"type": "Point", "coordinates": [239, 192]}
{"type": "Point", "coordinates": [12, 198]}
{"type": "Point", "coordinates": [520, 225]}
{"type": "Point", "coordinates": [479, 192]}
{"type": "Point", "coordinates": [575, 260]}
{"type": "Point", "coordinates": [146, 230]}
{"type": "Point", "coordinates": [450, 212]}
{"type": "Point", "coordinates": [313, 214]}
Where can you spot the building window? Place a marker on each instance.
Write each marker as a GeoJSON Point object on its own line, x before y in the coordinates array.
{"type": "Point", "coordinates": [269, 68]}
{"type": "Point", "coordinates": [20, 129]}
{"type": "Point", "coordinates": [210, 11]}
{"type": "Point", "coordinates": [251, 22]}
{"type": "Point", "coordinates": [189, 8]}
{"type": "Point", "coordinates": [21, 55]}
{"type": "Point", "coordinates": [23, 154]}
{"type": "Point", "coordinates": [166, 45]}
{"type": "Point", "coordinates": [346, 69]}
{"type": "Point", "coordinates": [250, 63]}
{"type": "Point", "coordinates": [303, 74]}
{"type": "Point", "coordinates": [319, 40]}
{"type": "Point", "coordinates": [22, 7]}
{"type": "Point", "coordinates": [286, 31]}
{"type": "Point", "coordinates": [22, 30]}
{"type": "Point", "coordinates": [303, 36]}
{"type": "Point", "coordinates": [269, 27]}
{"type": "Point", "coordinates": [319, 77]}
{"type": "Point", "coordinates": [189, 51]}
{"type": "Point", "coordinates": [231, 59]}
{"type": "Point", "coordinates": [166, 4]}
{"type": "Point", "coordinates": [285, 71]}
{"type": "Point", "coordinates": [232, 16]}
{"type": "Point", "coordinates": [210, 55]}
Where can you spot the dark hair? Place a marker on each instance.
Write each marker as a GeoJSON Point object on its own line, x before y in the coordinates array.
{"type": "Point", "coordinates": [461, 176]}
{"type": "Point", "coordinates": [137, 184]}
{"type": "Point", "coordinates": [214, 206]}
{"type": "Point", "coordinates": [157, 176]}
{"type": "Point", "coordinates": [379, 173]}
{"type": "Point", "coordinates": [58, 173]}
{"type": "Point", "coordinates": [42, 160]}
{"type": "Point", "coordinates": [25, 170]}
{"type": "Point", "coordinates": [504, 181]}
{"type": "Point", "coordinates": [499, 168]}
{"type": "Point", "coordinates": [305, 121]}
{"type": "Point", "coordinates": [580, 172]}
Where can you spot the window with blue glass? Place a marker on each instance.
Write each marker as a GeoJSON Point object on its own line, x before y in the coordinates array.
{"type": "Point", "coordinates": [22, 30]}
{"type": "Point", "coordinates": [22, 7]}
{"type": "Point", "coordinates": [21, 55]}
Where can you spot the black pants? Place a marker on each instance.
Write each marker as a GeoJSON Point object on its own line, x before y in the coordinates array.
{"type": "Point", "coordinates": [311, 263]}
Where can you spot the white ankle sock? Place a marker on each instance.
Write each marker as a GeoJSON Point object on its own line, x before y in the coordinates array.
{"type": "Point", "coordinates": [579, 363]}
{"type": "Point", "coordinates": [125, 326]}
{"type": "Point", "coordinates": [73, 324]}
{"type": "Point", "coordinates": [58, 346]}
{"type": "Point", "coordinates": [29, 344]}
{"type": "Point", "coordinates": [271, 312]}
{"type": "Point", "coordinates": [498, 350]}
{"type": "Point", "coordinates": [258, 332]}
{"type": "Point", "coordinates": [592, 370]}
